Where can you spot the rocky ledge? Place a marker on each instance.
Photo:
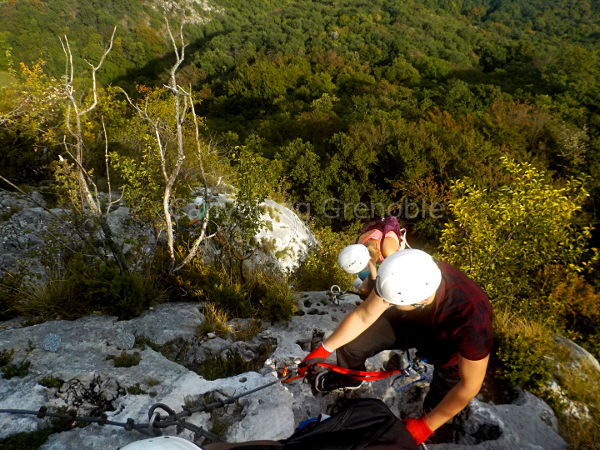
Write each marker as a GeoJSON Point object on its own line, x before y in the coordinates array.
{"type": "Point", "coordinates": [98, 364]}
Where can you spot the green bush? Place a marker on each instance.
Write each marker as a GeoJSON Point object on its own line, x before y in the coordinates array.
{"type": "Point", "coordinates": [272, 296]}
{"type": "Point", "coordinates": [51, 382]}
{"type": "Point", "coordinates": [126, 359]}
{"type": "Point", "coordinates": [16, 370]}
{"type": "Point", "coordinates": [26, 441]}
{"type": "Point", "coordinates": [87, 286]}
{"type": "Point", "coordinates": [320, 269]}
{"type": "Point", "coordinates": [232, 364]}
{"type": "Point", "coordinates": [261, 295]}
{"type": "Point", "coordinates": [526, 219]}
{"type": "Point", "coordinates": [520, 357]}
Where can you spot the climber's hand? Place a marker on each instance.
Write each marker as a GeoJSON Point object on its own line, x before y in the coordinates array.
{"type": "Point", "coordinates": [418, 429]}
{"type": "Point", "coordinates": [316, 356]}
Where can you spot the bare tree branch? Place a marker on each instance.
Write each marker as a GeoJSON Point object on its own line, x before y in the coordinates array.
{"type": "Point", "coordinates": [95, 69]}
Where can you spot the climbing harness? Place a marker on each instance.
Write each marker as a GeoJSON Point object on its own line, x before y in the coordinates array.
{"type": "Point", "coordinates": [156, 420]}
{"type": "Point", "coordinates": [416, 372]}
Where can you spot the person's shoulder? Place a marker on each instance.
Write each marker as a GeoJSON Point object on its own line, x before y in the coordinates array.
{"type": "Point", "coordinates": [462, 289]}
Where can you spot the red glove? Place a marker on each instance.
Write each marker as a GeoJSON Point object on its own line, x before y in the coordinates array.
{"type": "Point", "coordinates": [313, 357]}
{"type": "Point", "coordinates": [418, 429]}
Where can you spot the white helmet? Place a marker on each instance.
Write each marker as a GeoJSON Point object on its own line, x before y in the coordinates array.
{"type": "Point", "coordinates": [162, 443]}
{"type": "Point", "coordinates": [354, 258]}
{"type": "Point", "coordinates": [407, 277]}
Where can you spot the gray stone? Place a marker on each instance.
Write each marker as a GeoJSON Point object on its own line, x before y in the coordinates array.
{"type": "Point", "coordinates": [578, 353]}
{"type": "Point", "coordinates": [93, 383]}
{"type": "Point", "coordinates": [51, 342]}
{"type": "Point", "coordinates": [122, 339]}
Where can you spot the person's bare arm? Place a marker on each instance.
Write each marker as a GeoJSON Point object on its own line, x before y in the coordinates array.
{"type": "Point", "coordinates": [368, 283]}
{"type": "Point", "coordinates": [357, 321]}
{"type": "Point", "coordinates": [471, 374]}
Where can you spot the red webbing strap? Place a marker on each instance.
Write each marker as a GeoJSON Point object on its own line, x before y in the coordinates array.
{"type": "Point", "coordinates": [361, 375]}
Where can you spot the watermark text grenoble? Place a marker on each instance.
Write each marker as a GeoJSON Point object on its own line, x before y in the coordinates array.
{"type": "Point", "coordinates": [333, 208]}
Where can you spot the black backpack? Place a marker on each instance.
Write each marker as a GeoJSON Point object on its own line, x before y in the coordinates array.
{"type": "Point", "coordinates": [363, 423]}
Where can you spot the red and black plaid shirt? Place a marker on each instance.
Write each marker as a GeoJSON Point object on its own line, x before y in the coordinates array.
{"type": "Point", "coordinates": [459, 321]}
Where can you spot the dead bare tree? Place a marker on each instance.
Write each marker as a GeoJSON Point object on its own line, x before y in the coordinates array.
{"type": "Point", "coordinates": [183, 107]}
{"type": "Point", "coordinates": [75, 147]}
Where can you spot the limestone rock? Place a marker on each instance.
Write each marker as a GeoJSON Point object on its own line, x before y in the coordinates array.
{"type": "Point", "coordinates": [93, 384]}
{"type": "Point", "coordinates": [578, 353]}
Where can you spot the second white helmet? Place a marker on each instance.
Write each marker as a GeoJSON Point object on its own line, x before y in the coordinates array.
{"type": "Point", "coordinates": [407, 277]}
{"type": "Point", "coordinates": [354, 258]}
{"type": "Point", "coordinates": [162, 443]}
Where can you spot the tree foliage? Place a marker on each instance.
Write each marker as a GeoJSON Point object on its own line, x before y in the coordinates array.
{"type": "Point", "coordinates": [504, 236]}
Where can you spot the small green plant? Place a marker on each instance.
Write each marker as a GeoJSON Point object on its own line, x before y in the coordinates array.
{"type": "Point", "coordinates": [192, 401]}
{"type": "Point", "coordinates": [6, 356]}
{"type": "Point", "coordinates": [51, 382]}
{"type": "Point", "coordinates": [215, 321]}
{"type": "Point", "coordinates": [136, 390]}
{"type": "Point", "coordinates": [142, 342]}
{"type": "Point", "coordinates": [261, 295]}
{"type": "Point", "coordinates": [522, 349]}
{"type": "Point", "coordinates": [16, 370]}
{"type": "Point", "coordinates": [126, 359]}
{"type": "Point", "coordinates": [580, 385]}
{"type": "Point", "coordinates": [274, 296]}
{"type": "Point", "coordinates": [8, 213]}
{"type": "Point", "coordinates": [151, 382]}
{"type": "Point", "coordinates": [81, 286]}
{"type": "Point", "coordinates": [27, 441]}
{"type": "Point", "coordinates": [249, 331]}
{"type": "Point", "coordinates": [232, 364]}
{"type": "Point", "coordinates": [320, 268]}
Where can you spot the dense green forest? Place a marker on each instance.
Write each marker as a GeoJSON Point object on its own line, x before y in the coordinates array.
{"type": "Point", "coordinates": [369, 98]}
{"type": "Point", "coordinates": [485, 112]}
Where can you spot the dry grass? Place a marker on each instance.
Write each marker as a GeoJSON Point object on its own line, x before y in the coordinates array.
{"type": "Point", "coordinates": [215, 321]}
{"type": "Point", "coordinates": [582, 385]}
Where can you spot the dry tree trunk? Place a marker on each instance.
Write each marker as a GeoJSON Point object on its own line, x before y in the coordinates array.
{"type": "Point", "coordinates": [85, 183]}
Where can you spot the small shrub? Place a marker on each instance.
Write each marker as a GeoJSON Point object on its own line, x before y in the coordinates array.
{"type": "Point", "coordinates": [245, 334]}
{"type": "Point", "coordinates": [206, 282]}
{"type": "Point", "coordinates": [86, 286]}
{"type": "Point", "coordinates": [575, 307]}
{"type": "Point", "coordinates": [14, 287]}
{"type": "Point", "coordinates": [136, 390]}
{"type": "Point", "coordinates": [6, 356]}
{"type": "Point", "coordinates": [16, 370]}
{"type": "Point", "coordinates": [192, 401]}
{"type": "Point", "coordinates": [215, 321]}
{"type": "Point", "coordinates": [51, 382]}
{"type": "Point", "coordinates": [260, 294]}
{"type": "Point", "coordinates": [232, 364]}
{"type": "Point", "coordinates": [151, 382]}
{"type": "Point", "coordinates": [26, 441]}
{"type": "Point", "coordinates": [142, 342]}
{"type": "Point", "coordinates": [521, 352]}
{"type": "Point", "coordinates": [126, 359]}
{"type": "Point", "coordinates": [580, 385]}
{"type": "Point", "coordinates": [320, 269]}
{"type": "Point", "coordinates": [273, 295]}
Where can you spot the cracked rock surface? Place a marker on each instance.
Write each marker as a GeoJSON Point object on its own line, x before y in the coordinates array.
{"type": "Point", "coordinates": [92, 384]}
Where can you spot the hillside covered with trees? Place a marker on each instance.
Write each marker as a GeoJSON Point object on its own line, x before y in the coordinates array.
{"type": "Point", "coordinates": [477, 122]}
